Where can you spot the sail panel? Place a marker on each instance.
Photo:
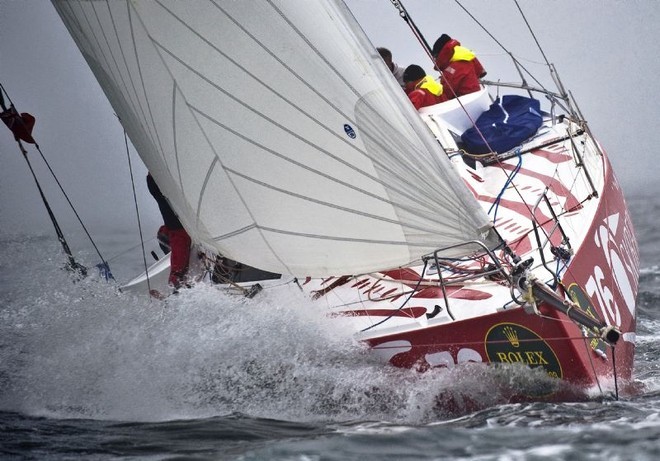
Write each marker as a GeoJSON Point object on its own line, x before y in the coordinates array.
{"type": "Point", "coordinates": [289, 147]}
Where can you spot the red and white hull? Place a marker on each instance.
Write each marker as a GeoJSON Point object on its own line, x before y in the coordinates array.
{"type": "Point", "coordinates": [479, 322]}
{"type": "Point", "coordinates": [563, 195]}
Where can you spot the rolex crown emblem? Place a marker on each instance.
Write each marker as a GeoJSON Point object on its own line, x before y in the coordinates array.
{"type": "Point", "coordinates": [511, 335]}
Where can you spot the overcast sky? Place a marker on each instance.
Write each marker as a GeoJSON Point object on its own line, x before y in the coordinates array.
{"type": "Point", "coordinates": [606, 52]}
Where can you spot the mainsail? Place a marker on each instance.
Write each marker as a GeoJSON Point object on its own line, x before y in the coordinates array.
{"type": "Point", "coordinates": [276, 132]}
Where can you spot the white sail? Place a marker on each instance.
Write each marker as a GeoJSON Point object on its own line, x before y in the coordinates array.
{"type": "Point", "coordinates": [276, 132]}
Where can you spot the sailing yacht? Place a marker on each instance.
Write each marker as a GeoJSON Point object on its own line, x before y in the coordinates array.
{"type": "Point", "coordinates": [283, 141]}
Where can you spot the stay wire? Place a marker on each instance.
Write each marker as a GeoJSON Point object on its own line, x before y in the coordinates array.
{"type": "Point", "coordinates": [72, 264]}
{"type": "Point", "coordinates": [516, 60]}
{"type": "Point", "coordinates": [59, 184]}
{"type": "Point", "coordinates": [75, 212]}
{"type": "Point", "coordinates": [509, 177]}
{"type": "Point", "coordinates": [417, 33]}
{"type": "Point", "coordinates": [429, 52]}
{"type": "Point", "coordinates": [531, 31]}
{"type": "Point", "coordinates": [508, 181]}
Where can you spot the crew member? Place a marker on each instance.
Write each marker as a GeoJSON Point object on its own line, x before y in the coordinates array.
{"type": "Point", "coordinates": [422, 89]}
{"type": "Point", "coordinates": [178, 238]}
{"type": "Point", "coordinates": [396, 70]}
{"type": "Point", "coordinates": [461, 70]}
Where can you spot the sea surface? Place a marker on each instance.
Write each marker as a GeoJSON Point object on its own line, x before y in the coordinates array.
{"type": "Point", "coordinates": [87, 372]}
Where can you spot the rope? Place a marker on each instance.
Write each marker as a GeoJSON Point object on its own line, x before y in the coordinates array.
{"type": "Point", "coordinates": [508, 181]}
{"type": "Point", "coordinates": [429, 52]}
{"type": "Point", "coordinates": [416, 32]}
{"type": "Point", "coordinates": [72, 264]}
{"type": "Point", "coordinates": [75, 212]}
{"type": "Point", "coordinates": [516, 60]}
{"type": "Point", "coordinates": [137, 213]}
{"type": "Point", "coordinates": [60, 235]}
{"type": "Point", "coordinates": [127, 250]}
{"type": "Point", "coordinates": [414, 290]}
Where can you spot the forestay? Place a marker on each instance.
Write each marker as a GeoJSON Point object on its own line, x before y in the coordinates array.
{"type": "Point", "coordinates": [276, 131]}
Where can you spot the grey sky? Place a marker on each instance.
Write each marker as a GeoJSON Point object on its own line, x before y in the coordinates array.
{"type": "Point", "coordinates": [605, 52]}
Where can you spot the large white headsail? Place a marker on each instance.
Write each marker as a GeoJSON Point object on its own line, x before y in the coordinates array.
{"type": "Point", "coordinates": [276, 131]}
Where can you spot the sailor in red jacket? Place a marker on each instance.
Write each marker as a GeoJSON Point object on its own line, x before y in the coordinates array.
{"type": "Point", "coordinates": [421, 89]}
{"type": "Point", "coordinates": [461, 70]}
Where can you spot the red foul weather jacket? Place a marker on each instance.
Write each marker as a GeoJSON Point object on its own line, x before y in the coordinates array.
{"type": "Point", "coordinates": [461, 70]}
{"type": "Point", "coordinates": [427, 92]}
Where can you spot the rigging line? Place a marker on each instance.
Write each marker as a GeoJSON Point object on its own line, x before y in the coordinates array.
{"type": "Point", "coordinates": [72, 264]}
{"type": "Point", "coordinates": [569, 268]}
{"type": "Point", "coordinates": [406, 17]}
{"type": "Point", "coordinates": [403, 12]}
{"type": "Point", "coordinates": [529, 27]}
{"type": "Point", "coordinates": [500, 164]}
{"type": "Point", "coordinates": [57, 181]}
{"type": "Point", "coordinates": [414, 290]}
{"type": "Point", "coordinates": [75, 212]}
{"type": "Point", "coordinates": [516, 60]}
{"type": "Point", "coordinates": [508, 181]}
{"type": "Point", "coordinates": [124, 252]}
{"type": "Point", "coordinates": [590, 333]}
{"type": "Point", "coordinates": [553, 72]}
{"type": "Point", "coordinates": [137, 213]}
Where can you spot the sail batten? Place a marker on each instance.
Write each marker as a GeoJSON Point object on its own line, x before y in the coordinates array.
{"type": "Point", "coordinates": [290, 147]}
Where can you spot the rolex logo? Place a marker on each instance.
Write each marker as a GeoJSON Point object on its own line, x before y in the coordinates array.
{"type": "Point", "coordinates": [511, 335]}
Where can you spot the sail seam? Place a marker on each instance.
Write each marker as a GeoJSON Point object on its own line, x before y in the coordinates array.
{"type": "Point", "coordinates": [330, 205]}
{"type": "Point", "coordinates": [294, 162]}
{"type": "Point", "coordinates": [417, 197]}
{"type": "Point", "coordinates": [139, 66]}
{"type": "Point", "coordinates": [323, 237]}
{"type": "Point", "coordinates": [101, 57]}
{"type": "Point", "coordinates": [202, 195]}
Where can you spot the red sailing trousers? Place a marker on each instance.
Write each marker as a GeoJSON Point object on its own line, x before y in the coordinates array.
{"type": "Point", "coordinates": [180, 255]}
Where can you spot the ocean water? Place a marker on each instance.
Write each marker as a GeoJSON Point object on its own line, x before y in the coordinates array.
{"type": "Point", "coordinates": [87, 372]}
